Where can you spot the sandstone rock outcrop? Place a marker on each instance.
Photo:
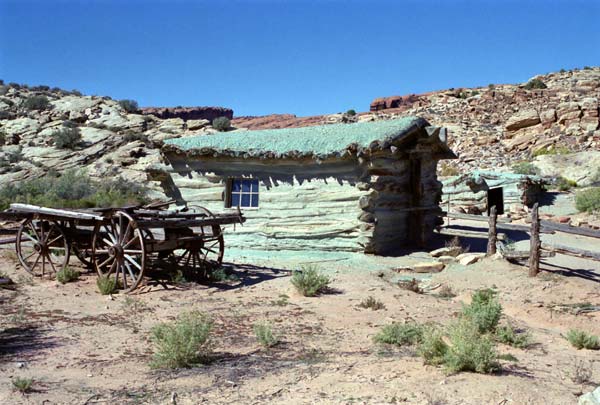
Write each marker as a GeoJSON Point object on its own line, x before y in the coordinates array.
{"type": "Point", "coordinates": [188, 113]}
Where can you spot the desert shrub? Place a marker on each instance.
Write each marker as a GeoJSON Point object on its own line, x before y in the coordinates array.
{"type": "Point", "coordinates": [221, 124]}
{"type": "Point", "coordinates": [588, 200]}
{"type": "Point", "coordinates": [351, 112]}
{"type": "Point", "coordinates": [67, 137]}
{"type": "Point", "coordinates": [564, 184]}
{"type": "Point", "coordinates": [222, 275]}
{"type": "Point", "coordinates": [76, 93]}
{"type": "Point", "coordinates": [371, 303]}
{"type": "Point", "coordinates": [525, 168]}
{"type": "Point", "coordinates": [448, 170]}
{"type": "Point", "coordinates": [510, 336]}
{"type": "Point", "coordinates": [135, 136]}
{"type": "Point", "coordinates": [535, 84]}
{"type": "Point", "coordinates": [15, 156]}
{"type": "Point", "coordinates": [432, 347]}
{"type": "Point", "coordinates": [556, 150]}
{"type": "Point", "coordinates": [131, 106]}
{"type": "Point", "coordinates": [469, 350]}
{"type": "Point", "coordinates": [2, 138]}
{"type": "Point", "coordinates": [67, 275]}
{"type": "Point", "coordinates": [491, 86]}
{"type": "Point", "coordinates": [3, 90]}
{"type": "Point", "coordinates": [309, 281]}
{"type": "Point", "coordinates": [484, 311]}
{"type": "Point", "coordinates": [23, 385]}
{"type": "Point", "coordinates": [582, 372]}
{"type": "Point", "coordinates": [400, 334]}
{"type": "Point", "coordinates": [264, 334]}
{"type": "Point", "coordinates": [106, 285]}
{"type": "Point", "coordinates": [411, 285]}
{"type": "Point", "coordinates": [562, 71]}
{"type": "Point", "coordinates": [446, 292]}
{"type": "Point", "coordinates": [583, 340]}
{"type": "Point", "coordinates": [36, 103]}
{"type": "Point", "coordinates": [182, 343]}
{"type": "Point", "coordinates": [72, 189]}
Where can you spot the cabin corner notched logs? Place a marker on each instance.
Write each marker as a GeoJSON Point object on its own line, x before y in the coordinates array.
{"type": "Point", "coordinates": [369, 187]}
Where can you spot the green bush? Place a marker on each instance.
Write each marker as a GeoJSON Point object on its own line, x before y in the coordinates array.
{"type": "Point", "coordinates": [469, 350]}
{"type": "Point", "coordinates": [588, 200]}
{"type": "Point", "coordinates": [67, 137]}
{"type": "Point", "coordinates": [131, 106]}
{"type": "Point", "coordinates": [67, 275]}
{"type": "Point", "coordinates": [556, 150]}
{"type": "Point", "coordinates": [221, 124]}
{"type": "Point", "coordinates": [564, 184]}
{"type": "Point", "coordinates": [309, 281]}
{"type": "Point", "coordinates": [484, 311]}
{"type": "Point", "coordinates": [73, 189]}
{"type": "Point", "coordinates": [525, 168]}
{"type": "Point", "coordinates": [400, 334]}
{"type": "Point", "coordinates": [508, 335]}
{"type": "Point", "coordinates": [535, 84]}
{"type": "Point", "coordinates": [36, 103]}
{"type": "Point", "coordinates": [23, 385]}
{"type": "Point", "coordinates": [447, 170]}
{"type": "Point", "coordinates": [264, 334]}
{"type": "Point", "coordinates": [351, 112]}
{"type": "Point", "coordinates": [432, 347]}
{"type": "Point", "coordinates": [182, 343]}
{"type": "Point", "coordinates": [106, 285]}
{"type": "Point", "coordinates": [583, 340]}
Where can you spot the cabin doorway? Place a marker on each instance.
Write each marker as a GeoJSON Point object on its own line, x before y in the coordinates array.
{"type": "Point", "coordinates": [415, 217]}
{"type": "Point", "coordinates": [495, 196]}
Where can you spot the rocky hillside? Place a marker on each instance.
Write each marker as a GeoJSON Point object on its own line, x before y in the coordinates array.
{"type": "Point", "coordinates": [489, 127]}
{"type": "Point", "coordinates": [493, 126]}
{"type": "Point", "coordinates": [111, 141]}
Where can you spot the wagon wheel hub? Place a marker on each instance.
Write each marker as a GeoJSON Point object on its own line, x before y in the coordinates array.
{"type": "Point", "coordinates": [116, 251]}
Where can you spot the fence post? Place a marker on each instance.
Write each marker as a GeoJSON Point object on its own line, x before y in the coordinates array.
{"type": "Point", "coordinates": [492, 234]}
{"type": "Point", "coordinates": [535, 244]}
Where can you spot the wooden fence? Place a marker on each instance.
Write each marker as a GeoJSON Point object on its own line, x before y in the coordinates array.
{"type": "Point", "coordinates": [537, 248]}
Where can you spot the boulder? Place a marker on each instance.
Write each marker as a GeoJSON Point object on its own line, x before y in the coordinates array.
{"type": "Point", "coordinates": [196, 124]}
{"type": "Point", "coordinates": [189, 113]}
{"type": "Point", "coordinates": [567, 111]}
{"type": "Point", "coordinates": [427, 267]}
{"type": "Point", "coordinates": [469, 258]}
{"type": "Point", "coordinates": [581, 167]}
{"type": "Point", "coordinates": [523, 119]}
{"type": "Point", "coordinates": [446, 251]}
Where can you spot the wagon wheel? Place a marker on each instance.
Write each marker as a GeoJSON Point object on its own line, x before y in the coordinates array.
{"type": "Point", "coordinates": [204, 255]}
{"type": "Point", "coordinates": [42, 247]}
{"type": "Point", "coordinates": [118, 251]}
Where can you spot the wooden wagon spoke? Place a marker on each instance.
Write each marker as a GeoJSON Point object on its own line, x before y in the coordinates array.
{"type": "Point", "coordinates": [132, 261]}
{"type": "Point", "coordinates": [31, 238]}
{"type": "Point", "coordinates": [104, 263]}
{"type": "Point", "coordinates": [32, 227]}
{"type": "Point", "coordinates": [51, 263]}
{"type": "Point", "coordinates": [108, 242]}
{"type": "Point", "coordinates": [132, 251]}
{"type": "Point", "coordinates": [128, 266]}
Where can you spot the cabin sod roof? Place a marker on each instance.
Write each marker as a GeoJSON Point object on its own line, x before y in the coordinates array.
{"type": "Point", "coordinates": [316, 141]}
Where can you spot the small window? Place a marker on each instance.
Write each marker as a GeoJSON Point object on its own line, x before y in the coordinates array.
{"type": "Point", "coordinates": [243, 193]}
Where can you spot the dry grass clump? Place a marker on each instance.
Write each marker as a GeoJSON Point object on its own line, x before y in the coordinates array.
{"type": "Point", "coordinates": [264, 334]}
{"type": "Point", "coordinates": [372, 303]}
{"type": "Point", "coordinates": [581, 373]}
{"type": "Point", "coordinates": [583, 340]}
{"type": "Point", "coordinates": [410, 285]}
{"type": "Point", "coordinates": [446, 292]}
{"type": "Point", "coordinates": [309, 281]}
{"type": "Point", "coordinates": [67, 275]}
{"type": "Point", "coordinates": [182, 343]}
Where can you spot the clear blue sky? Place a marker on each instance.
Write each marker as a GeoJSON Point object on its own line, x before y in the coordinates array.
{"type": "Point", "coordinates": [302, 57]}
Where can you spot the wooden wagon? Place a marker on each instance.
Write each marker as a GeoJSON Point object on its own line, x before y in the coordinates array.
{"type": "Point", "coordinates": [121, 243]}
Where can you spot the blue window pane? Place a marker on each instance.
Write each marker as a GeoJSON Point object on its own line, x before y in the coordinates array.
{"type": "Point", "coordinates": [255, 186]}
{"type": "Point", "coordinates": [254, 200]}
{"type": "Point", "coordinates": [235, 200]}
{"type": "Point", "coordinates": [245, 200]}
{"type": "Point", "coordinates": [236, 185]}
{"type": "Point", "coordinates": [246, 186]}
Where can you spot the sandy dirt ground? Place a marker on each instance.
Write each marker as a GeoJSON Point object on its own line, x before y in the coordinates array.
{"type": "Point", "coordinates": [84, 348]}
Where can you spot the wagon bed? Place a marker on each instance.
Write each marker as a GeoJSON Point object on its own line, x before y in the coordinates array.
{"type": "Point", "coordinates": [120, 242]}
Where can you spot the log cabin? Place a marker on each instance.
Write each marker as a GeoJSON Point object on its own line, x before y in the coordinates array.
{"type": "Point", "coordinates": [364, 187]}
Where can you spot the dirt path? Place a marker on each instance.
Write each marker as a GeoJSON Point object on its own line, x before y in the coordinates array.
{"type": "Point", "coordinates": [81, 347]}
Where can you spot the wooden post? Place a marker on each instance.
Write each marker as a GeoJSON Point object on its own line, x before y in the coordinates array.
{"type": "Point", "coordinates": [492, 236]}
{"type": "Point", "coordinates": [535, 245]}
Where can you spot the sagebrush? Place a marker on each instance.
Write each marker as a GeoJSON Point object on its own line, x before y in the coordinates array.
{"type": "Point", "coordinates": [67, 275]}
{"type": "Point", "coordinates": [583, 340]}
{"type": "Point", "coordinates": [221, 124]}
{"type": "Point", "coordinates": [588, 200]}
{"type": "Point", "coordinates": [484, 311]}
{"type": "Point", "coordinates": [508, 335]}
{"type": "Point", "coordinates": [106, 285]}
{"type": "Point", "coordinates": [469, 350]}
{"type": "Point", "coordinates": [23, 385]}
{"type": "Point", "coordinates": [264, 334]}
{"type": "Point", "coordinates": [400, 334]}
{"type": "Point", "coordinates": [184, 342]}
{"type": "Point", "coordinates": [309, 281]}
